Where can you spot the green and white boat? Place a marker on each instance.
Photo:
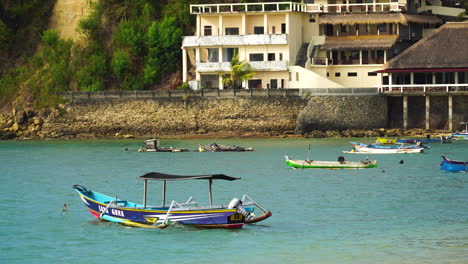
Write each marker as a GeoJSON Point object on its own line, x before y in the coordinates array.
{"type": "Point", "coordinates": [340, 164]}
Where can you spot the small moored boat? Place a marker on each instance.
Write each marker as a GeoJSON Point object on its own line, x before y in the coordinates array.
{"type": "Point", "coordinates": [340, 164]}
{"type": "Point", "coordinates": [427, 140]}
{"type": "Point", "coordinates": [361, 148]}
{"type": "Point", "coordinates": [454, 165]}
{"type": "Point", "coordinates": [461, 135]}
{"type": "Point", "coordinates": [152, 145]}
{"type": "Point", "coordinates": [233, 215]}
{"type": "Point", "coordinates": [214, 147]}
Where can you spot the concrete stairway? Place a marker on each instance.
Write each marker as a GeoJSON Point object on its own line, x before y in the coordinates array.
{"type": "Point", "coordinates": [301, 57]}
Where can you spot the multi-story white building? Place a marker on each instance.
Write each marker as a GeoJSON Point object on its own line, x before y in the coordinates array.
{"type": "Point", "coordinates": [326, 43]}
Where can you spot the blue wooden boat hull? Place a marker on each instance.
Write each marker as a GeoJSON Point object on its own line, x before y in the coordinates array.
{"type": "Point", "coordinates": [129, 213]}
{"type": "Point", "coordinates": [454, 165]}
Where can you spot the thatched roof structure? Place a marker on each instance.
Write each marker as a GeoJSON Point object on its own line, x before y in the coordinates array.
{"type": "Point", "coordinates": [445, 47]}
{"type": "Point", "coordinates": [377, 18]}
{"type": "Point", "coordinates": [371, 42]}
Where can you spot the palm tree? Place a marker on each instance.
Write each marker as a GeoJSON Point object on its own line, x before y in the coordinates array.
{"type": "Point", "coordinates": [240, 71]}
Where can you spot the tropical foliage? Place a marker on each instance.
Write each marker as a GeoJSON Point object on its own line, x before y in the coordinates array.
{"type": "Point", "coordinates": [240, 71]}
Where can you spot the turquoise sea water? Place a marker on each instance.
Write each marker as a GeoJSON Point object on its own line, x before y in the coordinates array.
{"type": "Point", "coordinates": [396, 213]}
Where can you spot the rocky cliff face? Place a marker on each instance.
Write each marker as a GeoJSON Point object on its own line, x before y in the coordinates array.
{"type": "Point", "coordinates": [270, 116]}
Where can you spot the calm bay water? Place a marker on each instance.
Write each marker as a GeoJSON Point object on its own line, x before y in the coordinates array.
{"type": "Point", "coordinates": [397, 213]}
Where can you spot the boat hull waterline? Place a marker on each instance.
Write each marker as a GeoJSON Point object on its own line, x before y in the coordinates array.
{"type": "Point", "coordinates": [315, 164]}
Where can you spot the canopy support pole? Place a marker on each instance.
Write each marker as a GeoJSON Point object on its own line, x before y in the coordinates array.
{"type": "Point", "coordinates": [211, 194]}
{"type": "Point", "coordinates": [145, 188]}
{"type": "Point", "coordinates": [164, 194]}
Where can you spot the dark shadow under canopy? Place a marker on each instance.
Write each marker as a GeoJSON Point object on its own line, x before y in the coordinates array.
{"type": "Point", "coordinates": [168, 177]}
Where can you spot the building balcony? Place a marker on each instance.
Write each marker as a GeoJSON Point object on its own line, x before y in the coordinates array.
{"type": "Point", "coordinates": [234, 40]}
{"type": "Point", "coordinates": [256, 65]}
{"type": "Point", "coordinates": [269, 65]}
{"type": "Point", "coordinates": [247, 8]}
{"type": "Point", "coordinates": [213, 67]}
{"type": "Point", "coordinates": [297, 7]}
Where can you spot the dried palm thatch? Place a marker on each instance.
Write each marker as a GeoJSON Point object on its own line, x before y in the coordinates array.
{"type": "Point", "coordinates": [377, 18]}
{"type": "Point", "coordinates": [360, 42]}
{"type": "Point", "coordinates": [445, 47]}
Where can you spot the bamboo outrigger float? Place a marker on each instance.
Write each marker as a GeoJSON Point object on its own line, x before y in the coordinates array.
{"type": "Point", "coordinates": [233, 215]}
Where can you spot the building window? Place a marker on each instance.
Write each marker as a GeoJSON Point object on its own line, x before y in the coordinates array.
{"type": "Point", "coordinates": [352, 74]}
{"type": "Point", "coordinates": [382, 27]}
{"type": "Point", "coordinates": [328, 74]}
{"type": "Point", "coordinates": [256, 57]}
{"type": "Point", "coordinates": [337, 74]}
{"type": "Point", "coordinates": [232, 31]}
{"type": "Point", "coordinates": [228, 53]}
{"type": "Point", "coordinates": [207, 31]}
{"type": "Point", "coordinates": [255, 84]}
{"type": "Point", "coordinates": [371, 74]}
{"type": "Point", "coordinates": [312, 18]}
{"type": "Point", "coordinates": [343, 28]}
{"type": "Point", "coordinates": [297, 76]}
{"type": "Point", "coordinates": [283, 28]}
{"type": "Point", "coordinates": [271, 57]}
{"type": "Point", "coordinates": [273, 30]}
{"type": "Point", "coordinates": [274, 84]}
{"type": "Point", "coordinates": [259, 30]}
{"type": "Point", "coordinates": [281, 56]}
{"type": "Point", "coordinates": [282, 83]}
{"type": "Point", "coordinates": [213, 55]}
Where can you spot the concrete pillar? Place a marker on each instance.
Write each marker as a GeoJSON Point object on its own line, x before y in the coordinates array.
{"type": "Point", "coordinates": [405, 112]}
{"type": "Point", "coordinates": [385, 55]}
{"type": "Point", "coordinates": [197, 33]}
{"type": "Point", "coordinates": [287, 23]}
{"type": "Point", "coordinates": [243, 30]}
{"type": "Point", "coordinates": [450, 112]}
{"type": "Point", "coordinates": [184, 65]}
{"type": "Point", "coordinates": [221, 87]}
{"type": "Point", "coordinates": [456, 77]}
{"type": "Point", "coordinates": [390, 81]}
{"type": "Point", "coordinates": [360, 57]}
{"type": "Point", "coordinates": [265, 23]}
{"type": "Point", "coordinates": [428, 111]}
{"type": "Point", "coordinates": [411, 77]}
{"type": "Point", "coordinates": [220, 53]}
{"type": "Point", "coordinates": [220, 26]}
{"type": "Point", "coordinates": [433, 78]}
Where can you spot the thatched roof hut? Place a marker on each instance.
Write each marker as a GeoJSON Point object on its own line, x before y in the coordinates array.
{"type": "Point", "coordinates": [377, 18]}
{"type": "Point", "coordinates": [444, 48]}
{"type": "Point", "coordinates": [371, 42]}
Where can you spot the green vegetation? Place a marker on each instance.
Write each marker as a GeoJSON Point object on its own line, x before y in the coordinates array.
{"type": "Point", "coordinates": [128, 45]}
{"type": "Point", "coordinates": [240, 71]}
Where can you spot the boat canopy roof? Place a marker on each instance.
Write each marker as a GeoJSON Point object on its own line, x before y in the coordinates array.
{"type": "Point", "coordinates": [168, 177]}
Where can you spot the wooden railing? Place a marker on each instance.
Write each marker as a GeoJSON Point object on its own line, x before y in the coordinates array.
{"type": "Point", "coordinates": [423, 88]}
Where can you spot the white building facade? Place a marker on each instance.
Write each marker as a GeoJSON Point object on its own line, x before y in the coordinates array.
{"type": "Point", "coordinates": [324, 44]}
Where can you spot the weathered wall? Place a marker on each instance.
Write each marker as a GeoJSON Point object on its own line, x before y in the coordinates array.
{"type": "Point", "coordinates": [343, 112]}
{"type": "Point", "coordinates": [176, 116]}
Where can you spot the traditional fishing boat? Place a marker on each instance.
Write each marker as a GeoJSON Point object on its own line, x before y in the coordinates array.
{"type": "Point", "coordinates": [461, 135]}
{"type": "Point", "coordinates": [112, 209]}
{"type": "Point", "coordinates": [386, 140]}
{"type": "Point", "coordinates": [340, 164]}
{"type": "Point", "coordinates": [442, 139]}
{"type": "Point", "coordinates": [454, 165]}
{"type": "Point", "coordinates": [360, 148]}
{"type": "Point", "coordinates": [214, 147]}
{"type": "Point", "coordinates": [152, 145]}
